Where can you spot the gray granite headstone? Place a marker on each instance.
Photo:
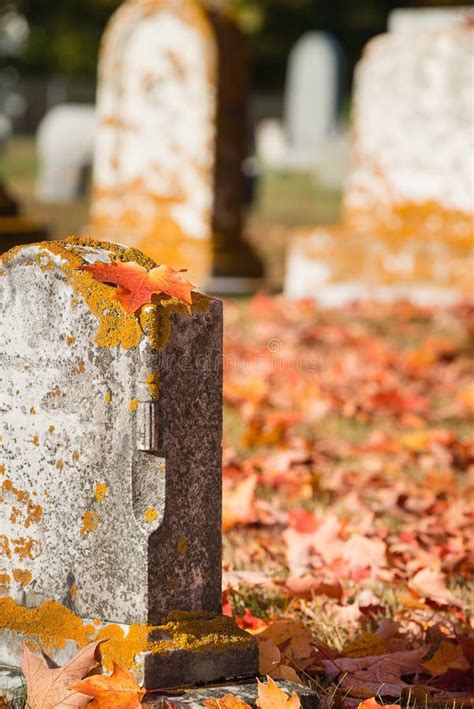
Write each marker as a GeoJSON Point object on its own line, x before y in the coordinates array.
{"type": "Point", "coordinates": [110, 462]}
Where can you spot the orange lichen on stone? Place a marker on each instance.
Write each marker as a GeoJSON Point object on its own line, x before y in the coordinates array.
{"type": "Point", "coordinates": [75, 456]}
{"type": "Point", "coordinates": [182, 546]}
{"type": "Point", "coordinates": [5, 546]}
{"type": "Point", "coordinates": [60, 464]}
{"type": "Point", "coordinates": [26, 548]}
{"type": "Point", "coordinates": [133, 405]}
{"type": "Point", "coordinates": [150, 514]}
{"type": "Point", "coordinates": [51, 429]}
{"type": "Point", "coordinates": [32, 411]}
{"type": "Point", "coordinates": [199, 633]}
{"type": "Point", "coordinates": [70, 340]}
{"type": "Point", "coordinates": [100, 492]}
{"type": "Point", "coordinates": [108, 397]}
{"type": "Point", "coordinates": [153, 381]}
{"type": "Point", "coordinates": [90, 522]}
{"type": "Point", "coordinates": [73, 592]}
{"type": "Point", "coordinates": [2, 469]}
{"type": "Point", "coordinates": [5, 583]}
{"type": "Point", "coordinates": [52, 624]}
{"type": "Point", "coordinates": [35, 440]}
{"type": "Point", "coordinates": [81, 368]}
{"type": "Point", "coordinates": [22, 576]}
{"type": "Point", "coordinates": [122, 647]}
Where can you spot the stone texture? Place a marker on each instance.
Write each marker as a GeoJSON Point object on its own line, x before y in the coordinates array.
{"type": "Point", "coordinates": [100, 519]}
{"type": "Point", "coordinates": [154, 155]}
{"type": "Point", "coordinates": [247, 691]}
{"type": "Point", "coordinates": [407, 229]}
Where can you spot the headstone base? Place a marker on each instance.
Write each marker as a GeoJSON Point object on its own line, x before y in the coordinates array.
{"type": "Point", "coordinates": [336, 266]}
{"type": "Point", "coordinates": [246, 691]}
{"type": "Point", "coordinates": [185, 651]}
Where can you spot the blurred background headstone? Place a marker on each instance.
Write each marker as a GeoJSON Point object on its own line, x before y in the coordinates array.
{"type": "Point", "coordinates": [408, 226]}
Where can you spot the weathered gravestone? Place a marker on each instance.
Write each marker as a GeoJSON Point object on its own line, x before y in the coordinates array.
{"type": "Point", "coordinates": [422, 18]}
{"type": "Point", "coordinates": [408, 216]}
{"type": "Point", "coordinates": [310, 107]}
{"type": "Point", "coordinates": [154, 155]}
{"type": "Point", "coordinates": [110, 463]}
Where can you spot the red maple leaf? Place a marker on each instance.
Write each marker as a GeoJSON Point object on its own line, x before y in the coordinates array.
{"type": "Point", "coordinates": [136, 285]}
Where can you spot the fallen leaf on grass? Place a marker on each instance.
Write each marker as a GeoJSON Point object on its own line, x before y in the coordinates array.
{"type": "Point", "coordinates": [375, 674]}
{"type": "Point", "coordinates": [430, 584]}
{"type": "Point", "coordinates": [373, 704]}
{"type": "Point", "coordinates": [270, 696]}
{"type": "Point", "coordinates": [448, 656]}
{"type": "Point", "coordinates": [136, 285]}
{"type": "Point", "coordinates": [49, 686]}
{"type": "Point", "coordinates": [239, 504]}
{"type": "Point", "coordinates": [119, 690]}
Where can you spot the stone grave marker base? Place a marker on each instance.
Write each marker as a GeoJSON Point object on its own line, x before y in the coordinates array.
{"type": "Point", "coordinates": [337, 265]}
{"type": "Point", "coordinates": [187, 650]}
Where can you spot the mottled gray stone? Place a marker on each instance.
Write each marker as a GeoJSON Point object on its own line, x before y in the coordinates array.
{"type": "Point", "coordinates": [247, 691]}
{"type": "Point", "coordinates": [112, 488]}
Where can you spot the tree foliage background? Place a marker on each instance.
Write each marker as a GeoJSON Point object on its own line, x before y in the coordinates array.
{"type": "Point", "coordinates": [65, 34]}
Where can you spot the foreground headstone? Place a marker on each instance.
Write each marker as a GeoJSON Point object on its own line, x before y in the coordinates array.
{"type": "Point", "coordinates": [110, 467]}
{"type": "Point", "coordinates": [408, 222]}
{"type": "Point", "coordinates": [154, 156]}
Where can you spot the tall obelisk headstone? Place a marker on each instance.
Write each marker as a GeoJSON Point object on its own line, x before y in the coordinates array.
{"type": "Point", "coordinates": [154, 157]}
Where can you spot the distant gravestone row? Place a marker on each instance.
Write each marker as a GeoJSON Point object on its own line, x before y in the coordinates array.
{"type": "Point", "coordinates": [408, 203]}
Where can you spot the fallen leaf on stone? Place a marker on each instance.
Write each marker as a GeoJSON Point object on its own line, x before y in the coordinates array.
{"type": "Point", "coordinates": [373, 704]}
{"type": "Point", "coordinates": [270, 696]}
{"type": "Point", "coordinates": [448, 656]}
{"type": "Point", "coordinates": [119, 690]}
{"type": "Point", "coordinates": [49, 686]}
{"type": "Point", "coordinates": [136, 285]}
{"type": "Point", "coordinates": [430, 584]}
{"type": "Point", "coordinates": [227, 702]}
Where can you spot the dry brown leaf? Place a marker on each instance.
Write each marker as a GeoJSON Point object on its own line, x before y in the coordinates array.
{"type": "Point", "coordinates": [431, 584]}
{"type": "Point", "coordinates": [447, 657]}
{"type": "Point", "coordinates": [48, 687]}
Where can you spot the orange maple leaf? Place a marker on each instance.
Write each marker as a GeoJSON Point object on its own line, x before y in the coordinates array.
{"type": "Point", "coordinates": [270, 696]}
{"type": "Point", "coordinates": [136, 285]}
{"type": "Point", "coordinates": [372, 704]}
{"type": "Point", "coordinates": [119, 690]}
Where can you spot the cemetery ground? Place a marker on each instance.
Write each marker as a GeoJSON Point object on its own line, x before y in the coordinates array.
{"type": "Point", "coordinates": [348, 482]}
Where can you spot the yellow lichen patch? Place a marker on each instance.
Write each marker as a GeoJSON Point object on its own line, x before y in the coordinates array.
{"type": "Point", "coordinates": [182, 546]}
{"type": "Point", "coordinates": [75, 456]}
{"type": "Point", "coordinates": [100, 492]}
{"type": "Point", "coordinates": [22, 576]}
{"type": "Point", "coordinates": [150, 514]}
{"type": "Point", "coordinates": [32, 411]}
{"type": "Point", "coordinates": [5, 546]}
{"type": "Point", "coordinates": [121, 647]}
{"type": "Point", "coordinates": [26, 548]}
{"type": "Point", "coordinates": [51, 429]}
{"type": "Point", "coordinates": [35, 440]}
{"type": "Point", "coordinates": [2, 469]}
{"type": "Point", "coordinates": [133, 405]}
{"type": "Point", "coordinates": [108, 397]}
{"type": "Point", "coordinates": [60, 464]}
{"type": "Point", "coordinates": [70, 340]}
{"type": "Point", "coordinates": [81, 368]}
{"type": "Point", "coordinates": [153, 381]}
{"type": "Point", "coordinates": [73, 592]}
{"type": "Point", "coordinates": [52, 624]}
{"type": "Point", "coordinates": [198, 634]}
{"type": "Point", "coordinates": [90, 522]}
{"type": "Point", "coordinates": [5, 582]}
